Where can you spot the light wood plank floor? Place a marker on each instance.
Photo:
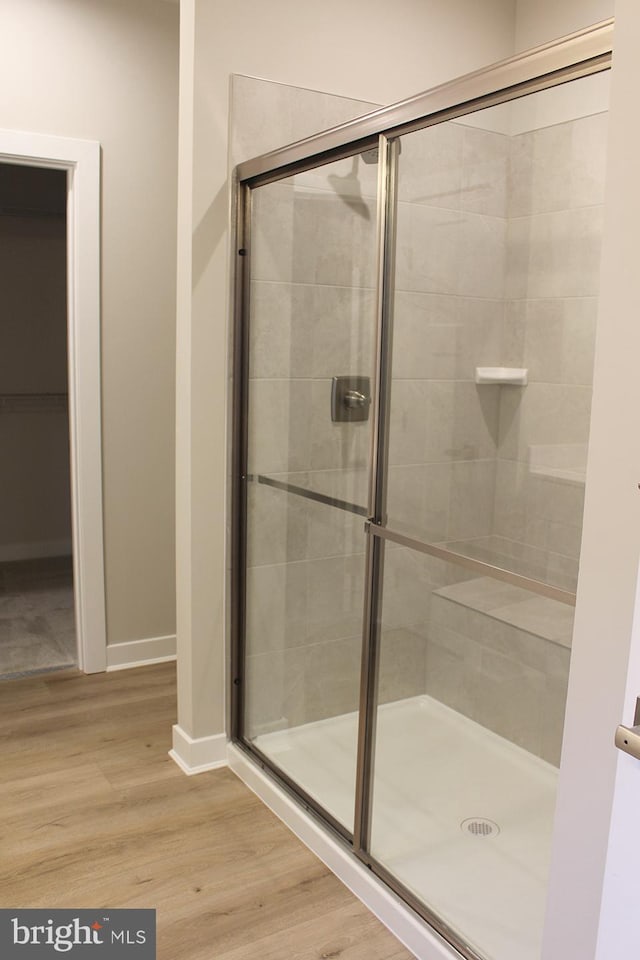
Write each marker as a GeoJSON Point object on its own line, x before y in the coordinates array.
{"type": "Point", "coordinates": [95, 814]}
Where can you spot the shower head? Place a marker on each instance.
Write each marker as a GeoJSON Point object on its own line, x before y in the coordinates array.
{"type": "Point", "coordinates": [371, 156]}
{"type": "Point", "coordinates": [348, 188]}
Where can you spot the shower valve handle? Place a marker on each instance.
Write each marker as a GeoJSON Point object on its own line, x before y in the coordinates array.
{"type": "Point", "coordinates": [353, 398]}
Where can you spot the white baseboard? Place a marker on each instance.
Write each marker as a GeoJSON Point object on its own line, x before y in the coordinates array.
{"type": "Point", "coordinates": [199, 755]}
{"type": "Point", "coordinates": [416, 935]}
{"type": "Point", "coordinates": [34, 551]}
{"type": "Point", "coordinates": [139, 653]}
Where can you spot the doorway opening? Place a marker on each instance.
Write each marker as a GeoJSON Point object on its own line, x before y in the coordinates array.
{"type": "Point", "coordinates": [37, 623]}
{"type": "Point", "coordinates": [79, 160]}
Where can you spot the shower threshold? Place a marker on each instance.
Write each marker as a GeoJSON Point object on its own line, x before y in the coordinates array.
{"type": "Point", "coordinates": [461, 816]}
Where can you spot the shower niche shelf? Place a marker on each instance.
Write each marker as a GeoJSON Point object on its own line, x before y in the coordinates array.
{"type": "Point", "coordinates": [512, 376]}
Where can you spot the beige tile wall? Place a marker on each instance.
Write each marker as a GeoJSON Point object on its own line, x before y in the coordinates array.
{"type": "Point", "coordinates": [448, 318]}
{"type": "Point", "coordinates": [556, 193]}
{"type": "Point", "coordinates": [501, 656]}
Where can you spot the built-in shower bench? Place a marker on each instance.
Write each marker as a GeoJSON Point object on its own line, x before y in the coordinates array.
{"type": "Point", "coordinates": [500, 655]}
{"type": "Point", "coordinates": [541, 617]}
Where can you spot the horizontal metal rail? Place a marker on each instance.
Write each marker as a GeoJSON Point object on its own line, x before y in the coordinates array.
{"type": "Point", "coordinates": [470, 563]}
{"type": "Point", "coordinates": [432, 549]}
{"type": "Point", "coordinates": [583, 53]}
{"type": "Point", "coordinates": [309, 494]}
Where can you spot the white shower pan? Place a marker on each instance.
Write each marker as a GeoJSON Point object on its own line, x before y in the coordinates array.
{"type": "Point", "coordinates": [481, 808]}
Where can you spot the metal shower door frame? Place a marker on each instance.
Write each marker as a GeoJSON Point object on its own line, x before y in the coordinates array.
{"type": "Point", "coordinates": [582, 54]}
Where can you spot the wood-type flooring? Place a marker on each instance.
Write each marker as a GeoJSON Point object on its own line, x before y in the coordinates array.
{"type": "Point", "coordinates": [95, 814]}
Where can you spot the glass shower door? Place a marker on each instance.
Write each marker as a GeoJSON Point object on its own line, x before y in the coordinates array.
{"type": "Point", "coordinates": [311, 367]}
{"type": "Point", "coordinates": [497, 267]}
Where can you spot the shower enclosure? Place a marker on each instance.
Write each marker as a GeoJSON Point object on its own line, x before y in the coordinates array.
{"type": "Point", "coordinates": [416, 295]}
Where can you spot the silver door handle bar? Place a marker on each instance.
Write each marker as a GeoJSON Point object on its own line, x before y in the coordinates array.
{"type": "Point", "coordinates": [628, 738]}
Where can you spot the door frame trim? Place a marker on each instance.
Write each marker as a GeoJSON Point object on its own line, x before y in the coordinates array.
{"type": "Point", "coordinates": [81, 160]}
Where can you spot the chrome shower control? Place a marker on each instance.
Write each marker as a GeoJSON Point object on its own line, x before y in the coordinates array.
{"type": "Point", "coordinates": [350, 399]}
{"type": "Point", "coordinates": [353, 398]}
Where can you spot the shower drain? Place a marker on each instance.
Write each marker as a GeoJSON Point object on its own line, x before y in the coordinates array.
{"type": "Point", "coordinates": [480, 827]}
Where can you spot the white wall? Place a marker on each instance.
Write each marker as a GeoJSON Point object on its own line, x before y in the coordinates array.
{"type": "Point", "coordinates": [369, 51]}
{"type": "Point", "coordinates": [107, 70]}
{"type": "Point", "coordinates": [539, 21]}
